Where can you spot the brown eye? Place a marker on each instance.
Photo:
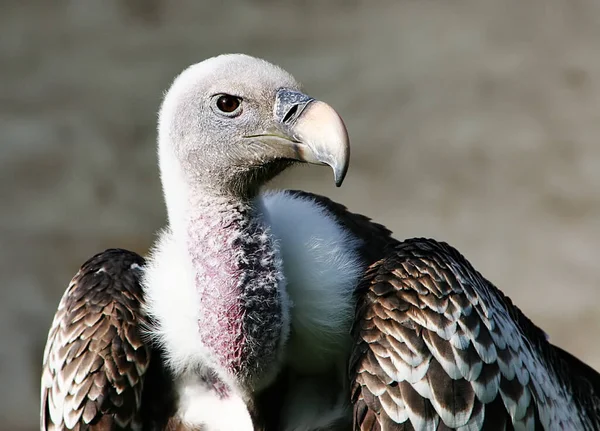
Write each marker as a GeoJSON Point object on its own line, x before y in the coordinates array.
{"type": "Point", "coordinates": [227, 103]}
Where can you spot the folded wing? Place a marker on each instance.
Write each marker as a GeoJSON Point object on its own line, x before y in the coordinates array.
{"type": "Point", "coordinates": [439, 347]}
{"type": "Point", "coordinates": [95, 360]}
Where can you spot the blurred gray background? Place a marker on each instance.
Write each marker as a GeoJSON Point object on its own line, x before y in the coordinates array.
{"type": "Point", "coordinates": [472, 121]}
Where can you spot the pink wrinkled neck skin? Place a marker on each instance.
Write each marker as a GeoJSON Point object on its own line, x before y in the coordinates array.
{"type": "Point", "coordinates": [218, 276]}
{"type": "Point", "coordinates": [236, 265]}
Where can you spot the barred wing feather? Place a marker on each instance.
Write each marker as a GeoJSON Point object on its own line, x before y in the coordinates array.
{"type": "Point", "coordinates": [439, 347]}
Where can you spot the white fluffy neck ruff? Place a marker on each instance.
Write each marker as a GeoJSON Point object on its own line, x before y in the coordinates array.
{"type": "Point", "coordinates": [215, 284]}
{"type": "Point", "coordinates": [322, 267]}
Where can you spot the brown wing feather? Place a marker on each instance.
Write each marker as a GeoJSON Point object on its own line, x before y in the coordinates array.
{"type": "Point", "coordinates": [439, 347]}
{"type": "Point", "coordinates": [95, 360]}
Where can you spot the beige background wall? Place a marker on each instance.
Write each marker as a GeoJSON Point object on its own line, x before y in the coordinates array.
{"type": "Point", "coordinates": [473, 121]}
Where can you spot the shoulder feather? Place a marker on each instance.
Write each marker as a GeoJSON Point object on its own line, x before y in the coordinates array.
{"type": "Point", "coordinates": [95, 359]}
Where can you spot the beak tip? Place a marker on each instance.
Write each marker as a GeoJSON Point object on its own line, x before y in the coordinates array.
{"type": "Point", "coordinates": [339, 175]}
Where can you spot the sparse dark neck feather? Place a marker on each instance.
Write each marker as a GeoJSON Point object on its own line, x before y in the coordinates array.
{"type": "Point", "coordinates": [237, 274]}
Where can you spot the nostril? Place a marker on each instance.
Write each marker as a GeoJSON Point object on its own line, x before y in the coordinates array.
{"type": "Point", "coordinates": [290, 114]}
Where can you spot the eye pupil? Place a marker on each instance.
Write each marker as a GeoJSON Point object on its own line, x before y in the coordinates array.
{"type": "Point", "coordinates": [227, 103]}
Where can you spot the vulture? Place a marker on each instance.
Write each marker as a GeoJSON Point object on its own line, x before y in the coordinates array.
{"type": "Point", "coordinates": [283, 310]}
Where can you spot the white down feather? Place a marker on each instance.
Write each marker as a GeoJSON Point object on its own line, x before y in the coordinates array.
{"type": "Point", "coordinates": [322, 268]}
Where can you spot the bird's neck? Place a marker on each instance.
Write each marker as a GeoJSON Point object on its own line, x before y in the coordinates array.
{"type": "Point", "coordinates": [238, 275]}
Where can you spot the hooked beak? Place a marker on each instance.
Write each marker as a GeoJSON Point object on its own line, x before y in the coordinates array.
{"type": "Point", "coordinates": [310, 131]}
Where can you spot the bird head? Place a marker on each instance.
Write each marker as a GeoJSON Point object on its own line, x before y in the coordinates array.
{"type": "Point", "coordinates": [231, 123]}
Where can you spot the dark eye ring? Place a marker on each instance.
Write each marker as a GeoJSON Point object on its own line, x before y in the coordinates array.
{"type": "Point", "coordinates": [228, 104]}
